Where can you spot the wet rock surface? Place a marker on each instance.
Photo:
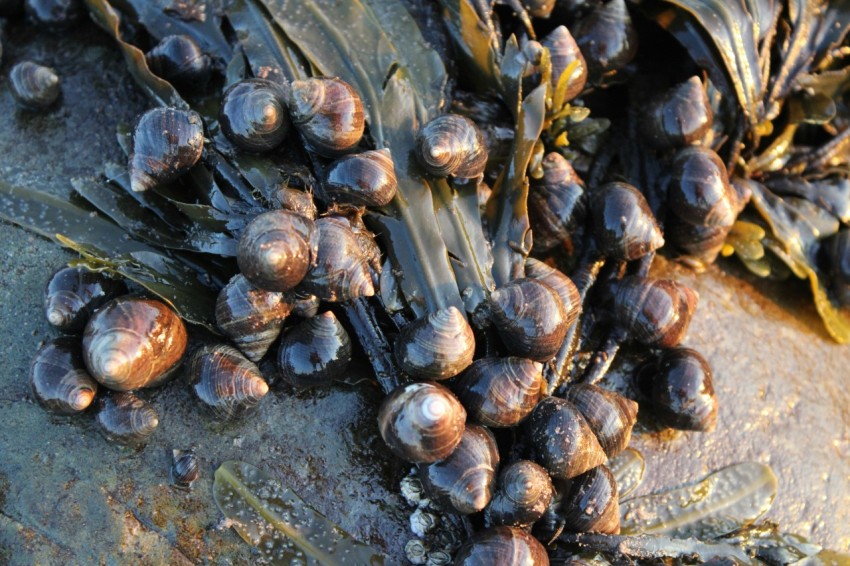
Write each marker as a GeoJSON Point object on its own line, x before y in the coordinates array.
{"type": "Point", "coordinates": [68, 496]}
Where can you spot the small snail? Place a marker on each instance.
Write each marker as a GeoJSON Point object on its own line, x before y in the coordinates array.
{"type": "Point", "coordinates": [132, 342]}
{"type": "Point", "coordinates": [293, 200]}
{"type": "Point", "coordinates": [607, 39]}
{"type": "Point", "coordinates": [836, 254]}
{"type": "Point", "coordinates": [624, 226]}
{"type": "Point", "coordinates": [303, 306]}
{"type": "Point", "coordinates": [524, 491]}
{"type": "Point", "coordinates": [125, 419]}
{"type": "Point", "coordinates": [610, 416]}
{"type": "Point", "coordinates": [555, 204]}
{"type": "Point", "coordinates": [563, 285]}
{"type": "Point", "coordinates": [252, 318]}
{"type": "Point", "coordinates": [55, 14]}
{"type": "Point", "coordinates": [276, 249]}
{"type": "Point", "coordinates": [315, 352]}
{"type": "Point", "coordinates": [655, 312]}
{"type": "Point", "coordinates": [437, 346]}
{"type": "Point", "coordinates": [563, 50]}
{"type": "Point", "coordinates": [464, 480]}
{"type": "Point", "coordinates": [363, 179]}
{"type": "Point", "coordinates": [699, 190]}
{"type": "Point", "coordinates": [34, 87]}
{"type": "Point", "coordinates": [184, 468]}
{"type": "Point", "coordinates": [678, 116]}
{"type": "Point", "coordinates": [180, 60]}
{"type": "Point", "coordinates": [501, 392]}
{"type": "Point", "coordinates": [74, 293]}
{"type": "Point", "coordinates": [502, 545]}
{"type": "Point", "coordinates": [341, 270]}
{"type": "Point", "coordinates": [328, 113]}
{"type": "Point", "coordinates": [167, 143]}
{"type": "Point", "coordinates": [226, 381]}
{"type": "Point", "coordinates": [421, 422]}
{"type": "Point", "coordinates": [253, 114]}
{"type": "Point", "coordinates": [59, 379]}
{"type": "Point", "coordinates": [452, 145]}
{"type": "Point", "coordinates": [590, 503]}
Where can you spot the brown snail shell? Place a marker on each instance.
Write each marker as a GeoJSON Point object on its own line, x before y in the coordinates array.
{"type": "Point", "coordinates": [501, 392]}
{"type": "Point", "coordinates": [362, 179]}
{"type": "Point", "coordinates": [699, 242]}
{"type": "Point", "coordinates": [464, 480]}
{"type": "Point", "coordinates": [530, 318]}
{"type": "Point", "coordinates": [34, 86]}
{"type": "Point", "coordinates": [59, 379]}
{"type": "Point", "coordinates": [561, 439]}
{"type": "Point", "coordinates": [656, 312]}
{"type": "Point", "coordinates": [699, 190]}
{"type": "Point", "coordinates": [55, 14]}
{"type": "Point", "coordinates": [563, 285]}
{"type": "Point", "coordinates": [452, 145]}
{"type": "Point", "coordinates": [132, 342]}
{"type": "Point", "coordinates": [328, 113]}
{"type": "Point", "coordinates": [167, 143]}
{"type": "Point", "coordinates": [126, 419]}
{"type": "Point", "coordinates": [226, 381]}
{"type": "Point", "coordinates": [678, 116]}
{"type": "Point", "coordinates": [74, 293]}
{"type": "Point", "coordinates": [341, 271]}
{"type": "Point", "coordinates": [623, 223]}
{"type": "Point", "coordinates": [421, 422]}
{"type": "Point", "coordinates": [293, 200]}
{"type": "Point", "coordinates": [555, 203]}
{"type": "Point", "coordinates": [563, 50]}
{"type": "Point", "coordinates": [303, 306]}
{"type": "Point", "coordinates": [437, 346]}
{"type": "Point", "coordinates": [276, 249]}
{"type": "Point", "coordinates": [180, 60]}
{"type": "Point", "coordinates": [502, 545]}
{"type": "Point", "coordinates": [315, 352]}
{"type": "Point", "coordinates": [835, 252]}
{"type": "Point", "coordinates": [610, 416]}
{"type": "Point", "coordinates": [184, 468]}
{"type": "Point", "coordinates": [253, 114]}
{"type": "Point", "coordinates": [523, 494]}
{"type": "Point", "coordinates": [591, 504]}
{"type": "Point", "coordinates": [607, 38]}
{"type": "Point", "coordinates": [539, 8]}
{"type": "Point", "coordinates": [252, 318]}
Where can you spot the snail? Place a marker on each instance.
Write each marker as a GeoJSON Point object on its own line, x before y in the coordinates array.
{"type": "Point", "coordinates": [702, 244]}
{"type": "Point", "coordinates": [55, 14]}
{"type": "Point", "coordinates": [328, 113]}
{"type": "Point", "coordinates": [560, 283]}
{"type": "Point", "coordinates": [341, 270]}
{"type": "Point", "coordinates": [132, 342]}
{"type": "Point", "coordinates": [315, 352]}
{"type": "Point", "coordinates": [624, 226]}
{"type": "Point", "coordinates": [226, 381]}
{"type": "Point", "coordinates": [524, 491]}
{"type": "Point", "coordinates": [180, 60]}
{"type": "Point", "coordinates": [610, 416]}
{"type": "Point", "coordinates": [252, 318]}
{"type": "Point", "coordinates": [58, 377]}
{"type": "Point", "coordinates": [253, 114]}
{"type": "Point", "coordinates": [74, 293]}
{"type": "Point", "coordinates": [680, 389]}
{"type": "Point", "coordinates": [365, 239]}
{"type": "Point", "coordinates": [561, 440]}
{"type": "Point", "coordinates": [530, 318]}
{"type": "Point", "coordinates": [452, 145]}
{"type": "Point", "coordinates": [464, 480]}
{"type": "Point", "coordinates": [303, 306]}
{"type": "Point", "coordinates": [437, 346]}
{"type": "Point", "coordinates": [421, 422]}
{"type": "Point", "coordinates": [590, 503]}
{"type": "Point", "coordinates": [563, 51]}
{"type": "Point", "coordinates": [555, 204]}
{"type": "Point", "coordinates": [296, 201]}
{"type": "Point", "coordinates": [34, 86]}
{"type": "Point", "coordinates": [184, 468]}
{"type": "Point", "coordinates": [835, 251]}
{"type": "Point", "coordinates": [607, 39]}
{"type": "Point", "coordinates": [699, 190]}
{"type": "Point", "coordinates": [167, 143]}
{"type": "Point", "coordinates": [276, 249]}
{"type": "Point", "coordinates": [678, 116]}
{"type": "Point", "coordinates": [502, 545]}
{"type": "Point", "coordinates": [363, 179]}
{"type": "Point", "coordinates": [501, 392]}
{"type": "Point", "coordinates": [123, 418]}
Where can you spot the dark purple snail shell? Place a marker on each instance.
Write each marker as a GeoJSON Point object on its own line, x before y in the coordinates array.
{"type": "Point", "coordinates": [452, 145]}
{"type": "Point", "coordinates": [254, 116]}
{"type": "Point", "coordinates": [501, 392]}
{"type": "Point", "coordinates": [294, 200]}
{"type": "Point", "coordinates": [524, 491]}
{"type": "Point", "coordinates": [167, 143]}
{"type": "Point", "coordinates": [610, 416]}
{"type": "Point", "coordinates": [315, 352]}
{"type": "Point", "coordinates": [699, 190]}
{"type": "Point", "coordinates": [502, 545]}
{"type": "Point", "coordinates": [607, 39]}
{"type": "Point", "coordinates": [34, 86]}
{"type": "Point", "coordinates": [555, 204]}
{"type": "Point", "coordinates": [590, 503]}
{"type": "Point", "coordinates": [624, 225]}
{"type": "Point", "coordinates": [74, 293]}
{"type": "Point", "coordinates": [437, 346]}
{"type": "Point", "coordinates": [678, 116]}
{"type": "Point", "coordinates": [59, 379]}
{"type": "Point", "coordinates": [563, 50]}
{"type": "Point", "coordinates": [341, 271]}
{"type": "Point", "coordinates": [563, 285]}
{"type": "Point", "coordinates": [362, 179]}
{"type": "Point", "coordinates": [181, 61]}
{"type": "Point", "coordinates": [125, 419]}
{"type": "Point", "coordinates": [328, 113]}
{"type": "Point", "coordinates": [184, 468]}
{"type": "Point", "coordinates": [656, 312]}
{"type": "Point", "coordinates": [530, 318]}
{"type": "Point", "coordinates": [226, 381]}
{"type": "Point", "coordinates": [702, 243]}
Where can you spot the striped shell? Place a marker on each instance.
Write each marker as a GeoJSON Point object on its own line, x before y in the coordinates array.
{"type": "Point", "coordinates": [523, 494]}
{"type": "Point", "coordinates": [530, 318]}
{"type": "Point", "coordinates": [328, 113]}
{"type": "Point", "coordinates": [501, 392]}
{"type": "Point", "coordinates": [315, 352]}
{"type": "Point", "coordinates": [341, 271]}
{"type": "Point", "coordinates": [225, 381]}
{"type": "Point", "coordinates": [59, 379]}
{"type": "Point", "coordinates": [34, 86]}
{"type": "Point", "coordinates": [167, 143]}
{"type": "Point", "coordinates": [563, 285]}
{"type": "Point", "coordinates": [74, 293]}
{"type": "Point", "coordinates": [452, 145]}
{"type": "Point", "coordinates": [437, 346]}
{"type": "Point", "coordinates": [253, 114]}
{"type": "Point", "coordinates": [125, 419]}
{"type": "Point", "coordinates": [363, 179]}
{"type": "Point", "coordinates": [610, 416]}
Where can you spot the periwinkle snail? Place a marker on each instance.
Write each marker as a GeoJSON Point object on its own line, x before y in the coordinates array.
{"type": "Point", "coordinates": [253, 114]}
{"type": "Point", "coordinates": [180, 60]}
{"type": "Point", "coordinates": [555, 204]}
{"type": "Point", "coordinates": [74, 293]}
{"type": "Point", "coordinates": [524, 491]}
{"type": "Point", "coordinates": [679, 116]}
{"type": "Point", "coordinates": [167, 143]}
{"type": "Point", "coordinates": [59, 379]}
{"type": "Point", "coordinates": [225, 381]}
{"type": "Point", "coordinates": [607, 39]}
{"type": "Point", "coordinates": [590, 503]}
{"type": "Point", "coordinates": [498, 545]}
{"type": "Point", "coordinates": [625, 228]}
{"type": "Point", "coordinates": [560, 283]}
{"type": "Point", "coordinates": [126, 419]}
{"type": "Point", "coordinates": [341, 271]}
{"type": "Point", "coordinates": [184, 468]}
{"type": "Point", "coordinates": [563, 51]}
{"type": "Point", "coordinates": [610, 416]}
{"type": "Point", "coordinates": [452, 145]}
{"type": "Point", "coordinates": [655, 312]}
{"type": "Point", "coordinates": [315, 352]}
{"type": "Point", "coordinates": [328, 113]}
{"type": "Point", "coordinates": [501, 392]}
{"type": "Point", "coordinates": [436, 347]}
{"type": "Point", "coordinates": [363, 179]}
{"type": "Point", "coordinates": [34, 86]}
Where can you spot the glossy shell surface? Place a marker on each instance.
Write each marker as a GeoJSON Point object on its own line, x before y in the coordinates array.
{"type": "Point", "coordinates": [530, 318]}
{"type": "Point", "coordinates": [315, 352]}
{"type": "Point", "coordinates": [341, 270]}
{"type": "Point", "coordinates": [502, 545]}
{"type": "Point", "coordinates": [328, 113]}
{"type": "Point", "coordinates": [501, 392]}
{"type": "Point", "coordinates": [59, 379]}
{"type": "Point", "coordinates": [74, 293]}
{"type": "Point", "coordinates": [523, 494]}
{"type": "Point", "coordinates": [226, 381]}
{"type": "Point", "coordinates": [124, 418]}
{"type": "Point", "coordinates": [167, 143]}
{"type": "Point", "coordinates": [180, 60]}
{"type": "Point", "coordinates": [452, 145]}
{"type": "Point", "coordinates": [34, 86]}
{"type": "Point", "coordinates": [363, 179]}
{"type": "Point", "coordinates": [254, 116]}
{"type": "Point", "coordinates": [437, 346]}
{"type": "Point", "coordinates": [624, 225]}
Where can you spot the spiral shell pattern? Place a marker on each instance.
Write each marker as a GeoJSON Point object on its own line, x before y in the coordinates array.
{"type": "Point", "coordinates": [438, 346]}
{"type": "Point", "coordinates": [501, 392]}
{"type": "Point", "coordinates": [341, 272]}
{"type": "Point", "coordinates": [610, 415]}
{"type": "Point", "coordinates": [59, 379]}
{"type": "Point", "coordinates": [656, 312]}
{"type": "Point", "coordinates": [502, 545]}
{"type": "Point", "coordinates": [523, 494]}
{"type": "Point", "coordinates": [225, 381]}
{"type": "Point", "coordinates": [34, 86]}
{"type": "Point", "coordinates": [315, 352]}
{"type": "Point", "coordinates": [530, 318]}
{"type": "Point", "coordinates": [563, 285]}
{"type": "Point", "coordinates": [623, 223]}
{"type": "Point", "coordinates": [363, 179]}
{"type": "Point", "coordinates": [591, 503]}
{"type": "Point", "coordinates": [180, 60]}
{"type": "Point", "coordinates": [452, 145]}
{"type": "Point", "coordinates": [329, 114]}
{"type": "Point", "coordinates": [74, 293]}
{"type": "Point", "coordinates": [253, 114]}
{"type": "Point", "coordinates": [563, 50]}
{"type": "Point", "coordinates": [555, 203]}
{"type": "Point", "coordinates": [125, 419]}
{"type": "Point", "coordinates": [167, 143]}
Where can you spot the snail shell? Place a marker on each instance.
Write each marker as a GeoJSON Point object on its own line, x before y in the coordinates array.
{"type": "Point", "coordinates": [539, 8]}
{"type": "Point", "coordinates": [464, 480]}
{"type": "Point", "coordinates": [591, 503]}
{"type": "Point", "coordinates": [680, 388]}
{"type": "Point", "coordinates": [563, 285]}
{"type": "Point", "coordinates": [607, 38]}
{"type": "Point", "coordinates": [421, 422]}
{"type": "Point", "coordinates": [561, 439]}
{"type": "Point", "coordinates": [253, 114]}
{"type": "Point", "coordinates": [132, 343]}
{"type": "Point", "coordinates": [180, 60]}
{"type": "Point", "coordinates": [679, 116]}
{"type": "Point", "coordinates": [699, 190]}
{"type": "Point", "coordinates": [226, 381]}
{"type": "Point", "coordinates": [126, 419]}
{"type": "Point", "coordinates": [184, 468]}
{"type": "Point", "coordinates": [501, 392]}
{"type": "Point", "coordinates": [610, 416]}
{"type": "Point", "coordinates": [59, 379]}
{"type": "Point", "coordinates": [563, 50]}
{"type": "Point", "coordinates": [341, 272]}
{"type": "Point", "coordinates": [437, 346]}
{"type": "Point", "coordinates": [836, 254]}
{"type": "Point", "coordinates": [502, 545]}
{"type": "Point", "coordinates": [523, 495]}
{"type": "Point", "coordinates": [252, 318]}
{"type": "Point", "coordinates": [296, 201]}
{"type": "Point", "coordinates": [452, 145]}
{"type": "Point", "coordinates": [624, 226]}
{"type": "Point", "coordinates": [303, 306]}
{"type": "Point", "coordinates": [530, 318]}
{"type": "Point", "coordinates": [74, 293]}
{"type": "Point", "coordinates": [555, 203]}
{"type": "Point", "coordinates": [328, 113]}
{"type": "Point", "coordinates": [363, 179]}
{"type": "Point", "coordinates": [656, 312]}
{"type": "Point", "coordinates": [276, 249]}
{"type": "Point", "coordinates": [315, 352]}
{"type": "Point", "coordinates": [700, 242]}
{"type": "Point", "coordinates": [167, 143]}
{"type": "Point", "coordinates": [34, 86]}
{"type": "Point", "coordinates": [55, 14]}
